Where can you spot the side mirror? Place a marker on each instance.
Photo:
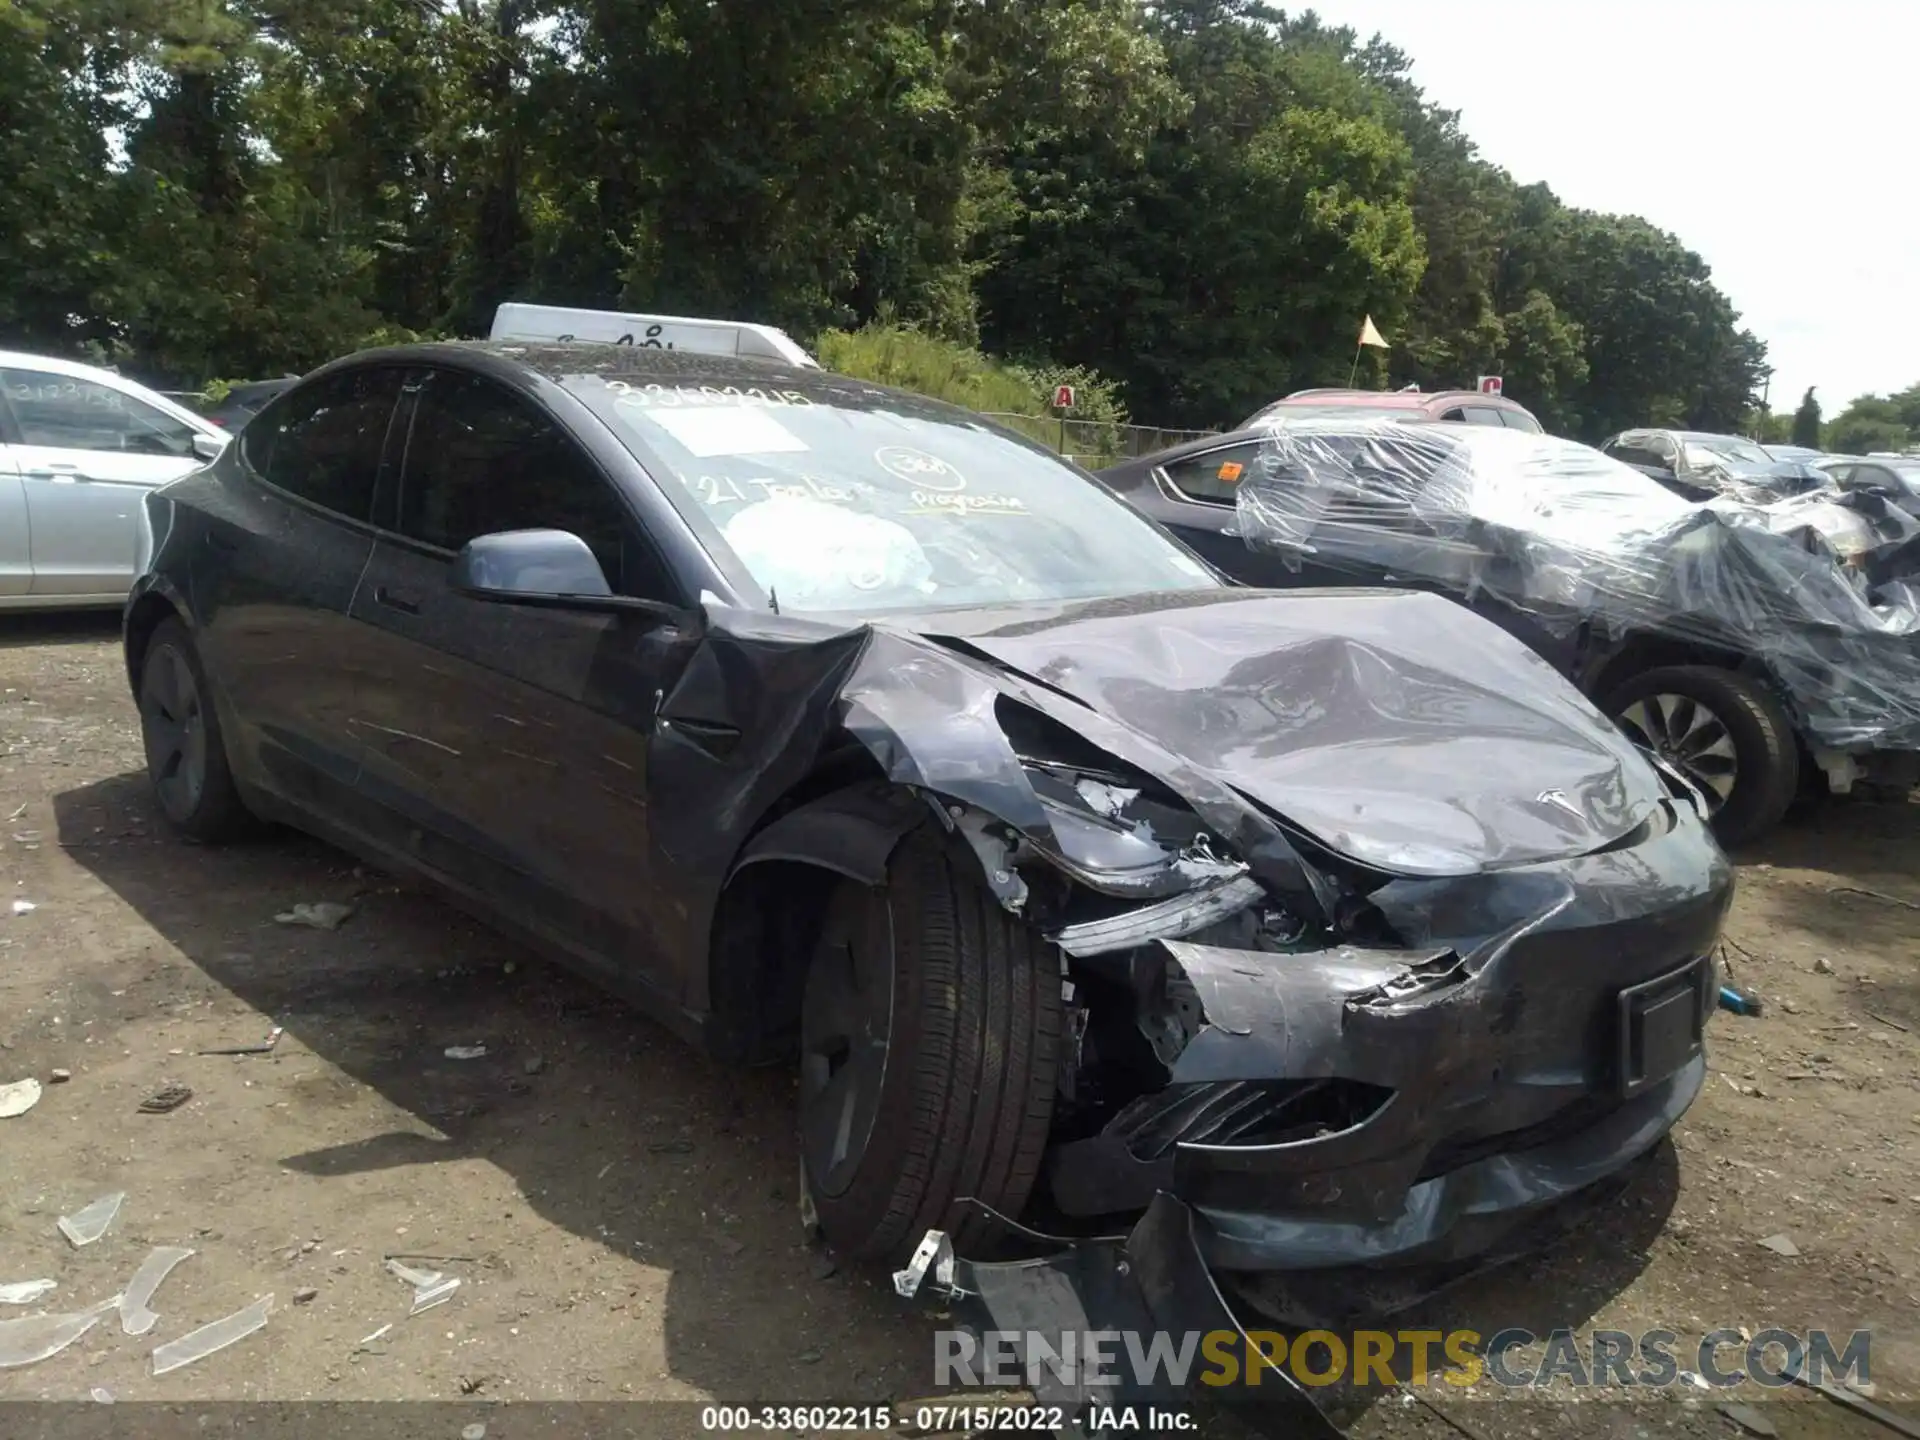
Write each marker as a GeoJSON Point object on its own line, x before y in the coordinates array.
{"type": "Point", "coordinates": [550, 568]}
{"type": "Point", "coordinates": [515, 564]}
{"type": "Point", "coordinates": [209, 447]}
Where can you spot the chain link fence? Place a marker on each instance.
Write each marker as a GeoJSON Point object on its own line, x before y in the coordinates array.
{"type": "Point", "coordinates": [1094, 443]}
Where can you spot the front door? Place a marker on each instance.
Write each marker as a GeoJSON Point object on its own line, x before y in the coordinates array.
{"type": "Point", "coordinates": [87, 453]}
{"type": "Point", "coordinates": [508, 744]}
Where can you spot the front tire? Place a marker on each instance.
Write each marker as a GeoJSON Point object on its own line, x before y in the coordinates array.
{"type": "Point", "coordinates": [930, 1038]}
{"type": "Point", "coordinates": [186, 755]}
{"type": "Point", "coordinates": [1726, 732]}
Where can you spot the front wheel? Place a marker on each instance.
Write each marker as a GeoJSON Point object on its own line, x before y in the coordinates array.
{"type": "Point", "coordinates": [930, 1037]}
{"type": "Point", "coordinates": [1726, 732]}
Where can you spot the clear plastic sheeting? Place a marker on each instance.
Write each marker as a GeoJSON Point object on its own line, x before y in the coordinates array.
{"type": "Point", "coordinates": [1554, 540]}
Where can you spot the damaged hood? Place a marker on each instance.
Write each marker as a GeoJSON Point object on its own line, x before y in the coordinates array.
{"type": "Point", "coordinates": [1398, 729]}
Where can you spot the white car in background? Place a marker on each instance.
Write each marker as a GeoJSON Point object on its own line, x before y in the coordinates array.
{"type": "Point", "coordinates": [79, 449]}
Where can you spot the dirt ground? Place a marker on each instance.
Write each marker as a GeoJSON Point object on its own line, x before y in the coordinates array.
{"type": "Point", "coordinates": [624, 1212]}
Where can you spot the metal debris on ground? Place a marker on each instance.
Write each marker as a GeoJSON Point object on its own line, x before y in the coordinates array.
{"type": "Point", "coordinates": [1888, 1021]}
{"type": "Point", "coordinates": [321, 915]}
{"type": "Point", "coordinates": [18, 1097]}
{"type": "Point", "coordinates": [25, 1292]}
{"type": "Point", "coordinates": [465, 1052]}
{"type": "Point", "coordinates": [136, 1314]}
{"type": "Point", "coordinates": [1740, 1002]}
{"type": "Point", "coordinates": [38, 1337]}
{"type": "Point", "coordinates": [209, 1339]}
{"type": "Point", "coordinates": [1823, 966]}
{"type": "Point", "coordinates": [87, 1225]}
{"type": "Point", "coordinates": [100, 1395]}
{"type": "Point", "coordinates": [366, 1340]}
{"type": "Point", "coordinates": [58, 1076]}
{"type": "Point", "coordinates": [167, 1098]}
{"type": "Point", "coordinates": [24, 907]}
{"type": "Point", "coordinates": [273, 1039]}
{"type": "Point", "coordinates": [1782, 1244]}
{"type": "Point", "coordinates": [430, 1287]}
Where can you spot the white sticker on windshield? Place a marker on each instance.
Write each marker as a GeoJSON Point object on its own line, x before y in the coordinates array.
{"type": "Point", "coordinates": [919, 469]}
{"type": "Point", "coordinates": [727, 430]}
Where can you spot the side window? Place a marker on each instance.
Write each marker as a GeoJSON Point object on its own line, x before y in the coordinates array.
{"type": "Point", "coordinates": [1639, 450]}
{"type": "Point", "coordinates": [66, 412]}
{"type": "Point", "coordinates": [1519, 420]}
{"type": "Point", "coordinates": [1484, 415]}
{"type": "Point", "coordinates": [480, 459]}
{"type": "Point", "coordinates": [324, 440]}
{"type": "Point", "coordinates": [1455, 416]}
{"type": "Point", "coordinates": [1215, 476]}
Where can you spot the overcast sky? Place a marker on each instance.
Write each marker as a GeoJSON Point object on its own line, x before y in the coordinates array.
{"type": "Point", "coordinates": [1778, 139]}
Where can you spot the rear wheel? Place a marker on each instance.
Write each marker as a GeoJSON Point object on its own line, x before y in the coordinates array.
{"type": "Point", "coordinates": [1726, 732]}
{"type": "Point", "coordinates": [186, 757]}
{"type": "Point", "coordinates": [930, 1034]}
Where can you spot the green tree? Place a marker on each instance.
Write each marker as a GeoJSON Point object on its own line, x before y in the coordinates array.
{"type": "Point", "coordinates": [1806, 421]}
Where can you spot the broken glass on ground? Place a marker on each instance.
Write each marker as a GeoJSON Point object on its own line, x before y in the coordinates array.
{"type": "Point", "coordinates": [430, 1287]}
{"type": "Point", "coordinates": [25, 1292]}
{"type": "Point", "coordinates": [39, 1337]}
{"type": "Point", "coordinates": [85, 1226]}
{"type": "Point", "coordinates": [136, 1316]}
{"type": "Point", "coordinates": [18, 1097]}
{"type": "Point", "coordinates": [209, 1339]}
{"type": "Point", "coordinates": [321, 915]}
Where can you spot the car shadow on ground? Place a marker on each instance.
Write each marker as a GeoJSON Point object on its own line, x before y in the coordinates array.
{"type": "Point", "coordinates": [609, 1126]}
{"type": "Point", "coordinates": [18, 630]}
{"type": "Point", "coordinates": [616, 1131]}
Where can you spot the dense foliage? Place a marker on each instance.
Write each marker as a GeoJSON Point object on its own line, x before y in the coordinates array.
{"type": "Point", "coordinates": [1197, 198]}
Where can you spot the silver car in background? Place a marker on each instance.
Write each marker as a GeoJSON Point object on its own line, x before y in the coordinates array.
{"type": "Point", "coordinates": [80, 447]}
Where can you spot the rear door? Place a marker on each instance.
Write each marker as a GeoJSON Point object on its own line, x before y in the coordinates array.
{"type": "Point", "coordinates": [274, 577]}
{"type": "Point", "coordinates": [508, 744]}
{"type": "Point", "coordinates": [87, 452]}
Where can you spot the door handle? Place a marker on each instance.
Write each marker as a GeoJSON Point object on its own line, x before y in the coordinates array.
{"type": "Point", "coordinates": [60, 474]}
{"type": "Point", "coordinates": [405, 601]}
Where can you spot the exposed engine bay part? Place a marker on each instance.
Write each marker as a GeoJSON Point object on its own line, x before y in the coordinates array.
{"type": "Point", "coordinates": [1166, 920]}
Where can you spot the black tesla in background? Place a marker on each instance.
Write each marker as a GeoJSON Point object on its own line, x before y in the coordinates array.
{"type": "Point", "coordinates": [834, 724]}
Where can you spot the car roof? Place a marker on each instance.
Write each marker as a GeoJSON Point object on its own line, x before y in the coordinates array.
{"type": "Point", "coordinates": [1397, 399]}
{"type": "Point", "coordinates": [556, 360]}
{"type": "Point", "coordinates": [77, 370]}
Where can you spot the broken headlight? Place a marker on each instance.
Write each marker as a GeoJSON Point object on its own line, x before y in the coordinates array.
{"type": "Point", "coordinates": [1118, 837]}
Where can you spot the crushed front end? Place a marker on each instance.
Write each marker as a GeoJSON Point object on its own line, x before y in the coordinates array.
{"type": "Point", "coordinates": [1316, 1104]}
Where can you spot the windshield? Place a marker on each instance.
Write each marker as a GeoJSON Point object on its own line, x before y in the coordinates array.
{"type": "Point", "coordinates": [877, 504]}
{"type": "Point", "coordinates": [1725, 450]}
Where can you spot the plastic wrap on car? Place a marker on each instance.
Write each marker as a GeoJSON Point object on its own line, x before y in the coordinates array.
{"type": "Point", "coordinates": [1562, 537]}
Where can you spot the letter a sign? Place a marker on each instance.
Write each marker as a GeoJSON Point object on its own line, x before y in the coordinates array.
{"type": "Point", "coordinates": [1063, 397]}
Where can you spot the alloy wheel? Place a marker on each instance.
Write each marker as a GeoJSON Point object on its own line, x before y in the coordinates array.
{"type": "Point", "coordinates": [846, 1020]}
{"type": "Point", "coordinates": [173, 725]}
{"type": "Point", "coordinates": [1691, 738]}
